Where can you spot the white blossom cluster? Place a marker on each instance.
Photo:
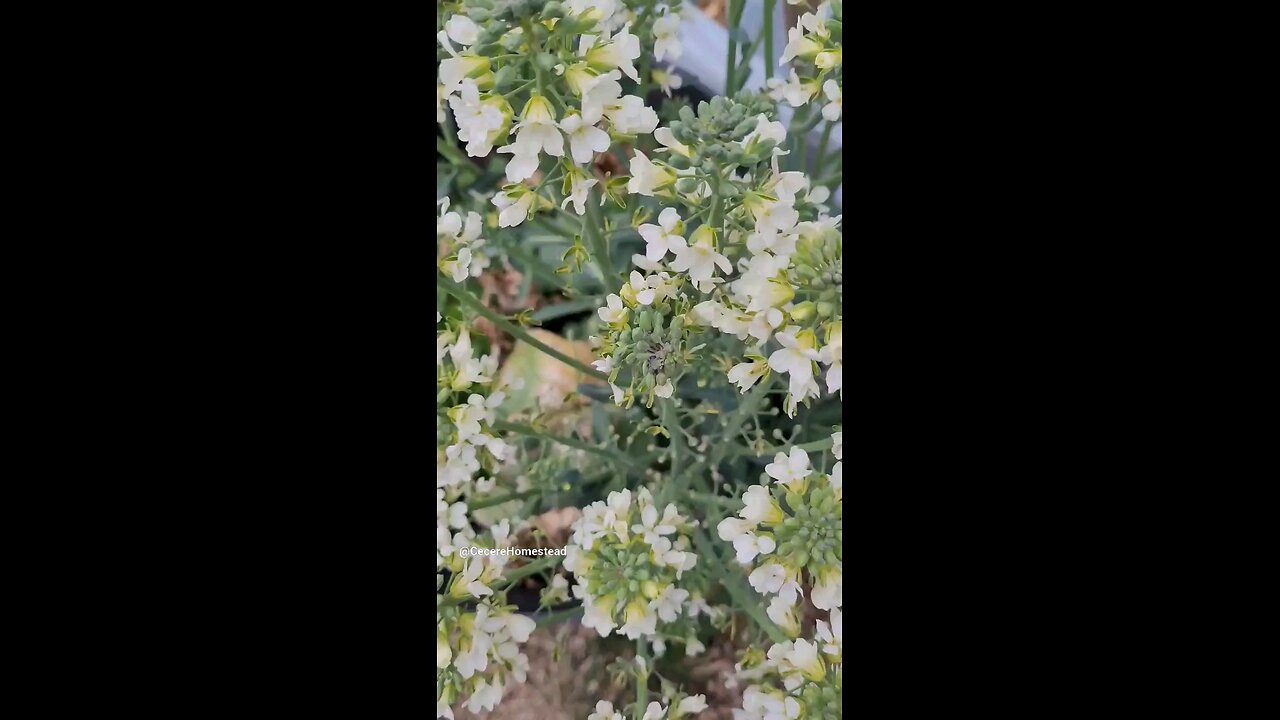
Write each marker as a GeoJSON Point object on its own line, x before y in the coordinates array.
{"type": "Point", "coordinates": [800, 678]}
{"type": "Point", "coordinates": [460, 243]}
{"type": "Point", "coordinates": [786, 284]}
{"type": "Point", "coordinates": [569, 64]}
{"type": "Point", "coordinates": [476, 653]}
{"type": "Point", "coordinates": [685, 708]}
{"type": "Point", "coordinates": [800, 516]}
{"type": "Point", "coordinates": [628, 558]}
{"type": "Point", "coordinates": [818, 56]}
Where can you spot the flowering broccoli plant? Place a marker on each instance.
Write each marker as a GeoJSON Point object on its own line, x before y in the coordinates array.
{"type": "Point", "coordinates": [681, 399]}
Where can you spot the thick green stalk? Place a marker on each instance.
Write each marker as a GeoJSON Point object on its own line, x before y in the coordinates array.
{"type": "Point", "coordinates": [467, 299]}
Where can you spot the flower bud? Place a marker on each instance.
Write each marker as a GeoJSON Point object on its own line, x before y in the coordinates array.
{"type": "Point", "coordinates": [803, 311]}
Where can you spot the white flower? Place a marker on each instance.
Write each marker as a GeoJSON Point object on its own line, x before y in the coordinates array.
{"type": "Point", "coordinates": [804, 657]}
{"type": "Point", "coordinates": [837, 476]}
{"type": "Point", "coordinates": [667, 81]}
{"type": "Point", "coordinates": [664, 390]}
{"type": "Point", "coordinates": [613, 312]}
{"type": "Point", "coordinates": [655, 711]}
{"type": "Point", "coordinates": [459, 268]}
{"type": "Point", "coordinates": [832, 634]}
{"type": "Point", "coordinates": [646, 177]}
{"type": "Point", "coordinates": [453, 70]}
{"type": "Point", "coordinates": [629, 115]}
{"type": "Point", "coordinates": [616, 52]}
{"type": "Point", "coordinates": [668, 140]}
{"type": "Point", "coordinates": [579, 187]}
{"type": "Point", "coordinates": [787, 470]}
{"type": "Point", "coordinates": [795, 92]}
{"type": "Point", "coordinates": [768, 579]}
{"type": "Point", "coordinates": [766, 130]}
{"type": "Point", "coordinates": [795, 359]}
{"type": "Point", "coordinates": [837, 445]}
{"type": "Point", "coordinates": [701, 258]}
{"type": "Point", "coordinates": [666, 41]}
{"type": "Point", "coordinates": [832, 355]}
{"type": "Point", "coordinates": [601, 92]}
{"type": "Point", "coordinates": [749, 545]}
{"type": "Point", "coordinates": [462, 30]}
{"type": "Point", "coordinates": [658, 237]}
{"type": "Point", "coordinates": [731, 528]}
{"type": "Point", "coordinates": [478, 121]}
{"type": "Point", "coordinates": [596, 616]}
{"type": "Point", "coordinates": [783, 613]}
{"type": "Point", "coordinates": [536, 132]}
{"type": "Point", "coordinates": [640, 620]}
{"type": "Point", "coordinates": [585, 139]}
{"type": "Point", "coordinates": [605, 711]}
{"type": "Point", "coordinates": [604, 365]}
{"type": "Point", "coordinates": [776, 216]}
{"type": "Point", "coordinates": [744, 375]}
{"type": "Point", "coordinates": [692, 704]}
{"type": "Point", "coordinates": [669, 602]}
{"type": "Point", "coordinates": [828, 591]}
{"type": "Point", "coordinates": [759, 506]}
{"type": "Point", "coordinates": [831, 111]}
{"type": "Point", "coordinates": [513, 206]}
{"type": "Point", "coordinates": [651, 527]}
{"type": "Point", "coordinates": [599, 10]}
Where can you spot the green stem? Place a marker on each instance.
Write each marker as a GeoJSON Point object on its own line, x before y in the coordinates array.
{"type": "Point", "coordinates": [450, 152]}
{"type": "Point", "coordinates": [551, 312]}
{"type": "Point", "coordinates": [744, 599]}
{"type": "Point", "coordinates": [731, 63]}
{"type": "Point", "coordinates": [670, 423]}
{"type": "Point", "coordinates": [527, 25]}
{"type": "Point", "coordinates": [720, 500]}
{"type": "Point", "coordinates": [642, 679]}
{"type": "Point", "coordinates": [450, 133]}
{"type": "Point", "coordinates": [593, 228]}
{"type": "Point", "coordinates": [745, 409]}
{"type": "Point", "coordinates": [716, 221]}
{"type": "Point", "coordinates": [644, 56]}
{"type": "Point", "coordinates": [807, 447]}
{"type": "Point", "coordinates": [500, 499]}
{"type": "Point", "coordinates": [504, 426]}
{"type": "Point", "coordinates": [769, 59]}
{"type": "Point", "coordinates": [822, 148]}
{"type": "Point", "coordinates": [530, 569]}
{"type": "Point", "coordinates": [470, 301]}
{"type": "Point", "coordinates": [559, 616]}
